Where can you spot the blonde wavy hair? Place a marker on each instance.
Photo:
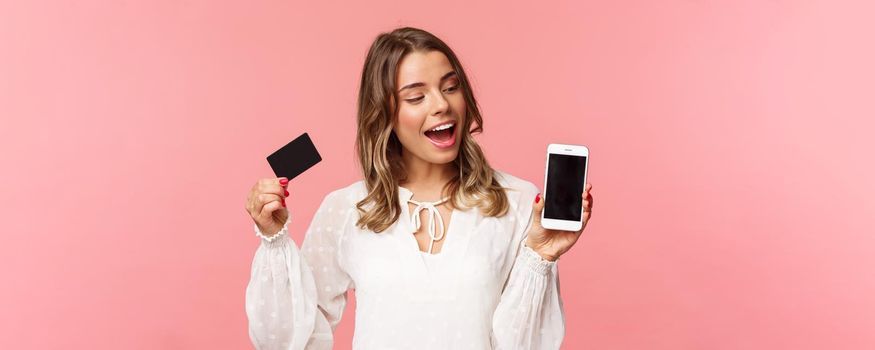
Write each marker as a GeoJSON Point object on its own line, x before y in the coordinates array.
{"type": "Point", "coordinates": [379, 150]}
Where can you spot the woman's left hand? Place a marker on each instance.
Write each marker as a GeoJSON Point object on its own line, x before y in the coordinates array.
{"type": "Point", "coordinates": [550, 244]}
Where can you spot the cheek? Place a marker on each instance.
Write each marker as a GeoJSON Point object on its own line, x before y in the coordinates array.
{"type": "Point", "coordinates": [409, 123]}
{"type": "Point", "coordinates": [458, 104]}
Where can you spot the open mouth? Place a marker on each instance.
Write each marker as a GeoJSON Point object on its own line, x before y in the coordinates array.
{"type": "Point", "coordinates": [443, 135]}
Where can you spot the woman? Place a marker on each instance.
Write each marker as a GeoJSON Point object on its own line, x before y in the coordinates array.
{"type": "Point", "coordinates": [443, 251]}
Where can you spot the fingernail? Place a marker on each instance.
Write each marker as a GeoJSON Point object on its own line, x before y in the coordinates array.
{"type": "Point", "coordinates": [284, 203]}
{"type": "Point", "coordinates": [537, 198]}
{"type": "Point", "coordinates": [284, 181]}
{"type": "Point", "coordinates": [287, 193]}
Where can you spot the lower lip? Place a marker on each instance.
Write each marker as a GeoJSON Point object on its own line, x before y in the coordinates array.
{"type": "Point", "coordinates": [443, 145]}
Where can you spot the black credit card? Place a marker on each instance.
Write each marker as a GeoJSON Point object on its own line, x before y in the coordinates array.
{"type": "Point", "coordinates": [294, 158]}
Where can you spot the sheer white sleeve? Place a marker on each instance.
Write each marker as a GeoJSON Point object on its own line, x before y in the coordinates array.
{"type": "Point", "coordinates": [529, 314]}
{"type": "Point", "coordinates": [295, 299]}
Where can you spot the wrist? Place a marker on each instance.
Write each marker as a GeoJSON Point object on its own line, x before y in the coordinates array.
{"type": "Point", "coordinates": [270, 237]}
{"type": "Point", "coordinates": [545, 254]}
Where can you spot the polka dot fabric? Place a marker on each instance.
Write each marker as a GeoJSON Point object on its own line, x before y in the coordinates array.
{"type": "Point", "coordinates": [484, 290]}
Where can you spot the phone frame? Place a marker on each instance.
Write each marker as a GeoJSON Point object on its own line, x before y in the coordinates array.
{"type": "Point", "coordinates": [571, 150]}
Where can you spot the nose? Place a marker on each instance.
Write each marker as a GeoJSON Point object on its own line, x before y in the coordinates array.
{"type": "Point", "coordinates": [440, 105]}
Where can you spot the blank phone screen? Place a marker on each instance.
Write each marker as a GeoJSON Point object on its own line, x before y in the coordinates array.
{"type": "Point", "coordinates": [564, 187]}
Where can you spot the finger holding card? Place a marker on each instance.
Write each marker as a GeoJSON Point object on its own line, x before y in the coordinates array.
{"type": "Point", "coordinates": [266, 201]}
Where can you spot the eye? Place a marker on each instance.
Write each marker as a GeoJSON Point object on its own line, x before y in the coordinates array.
{"type": "Point", "coordinates": [452, 88]}
{"type": "Point", "coordinates": [414, 100]}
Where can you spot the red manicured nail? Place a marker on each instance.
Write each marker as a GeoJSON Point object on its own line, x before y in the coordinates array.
{"type": "Point", "coordinates": [537, 198]}
{"type": "Point", "coordinates": [284, 203]}
{"type": "Point", "coordinates": [287, 193]}
{"type": "Point", "coordinates": [284, 181]}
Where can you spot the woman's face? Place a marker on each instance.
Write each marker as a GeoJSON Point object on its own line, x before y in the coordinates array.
{"type": "Point", "coordinates": [430, 96]}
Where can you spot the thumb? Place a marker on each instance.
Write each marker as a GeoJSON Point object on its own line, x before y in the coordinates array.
{"type": "Point", "coordinates": [537, 208]}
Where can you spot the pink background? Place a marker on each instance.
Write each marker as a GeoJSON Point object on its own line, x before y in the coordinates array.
{"type": "Point", "coordinates": [730, 145]}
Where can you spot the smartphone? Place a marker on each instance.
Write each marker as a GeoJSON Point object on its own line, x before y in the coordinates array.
{"type": "Point", "coordinates": [564, 178]}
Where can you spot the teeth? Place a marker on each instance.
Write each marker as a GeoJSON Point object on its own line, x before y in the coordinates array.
{"type": "Point", "coordinates": [442, 127]}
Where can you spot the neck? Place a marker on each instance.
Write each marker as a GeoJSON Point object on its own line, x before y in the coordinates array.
{"type": "Point", "coordinates": [425, 176]}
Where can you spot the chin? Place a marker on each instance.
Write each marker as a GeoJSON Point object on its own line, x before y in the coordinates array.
{"type": "Point", "coordinates": [445, 157]}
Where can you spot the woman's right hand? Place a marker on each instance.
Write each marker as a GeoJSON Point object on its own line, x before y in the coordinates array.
{"type": "Point", "coordinates": [266, 204]}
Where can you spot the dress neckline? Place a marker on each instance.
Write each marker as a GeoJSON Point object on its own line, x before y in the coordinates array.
{"type": "Point", "coordinates": [415, 262]}
{"type": "Point", "coordinates": [432, 225]}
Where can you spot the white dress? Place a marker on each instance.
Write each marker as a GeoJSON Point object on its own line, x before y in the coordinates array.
{"type": "Point", "coordinates": [484, 290]}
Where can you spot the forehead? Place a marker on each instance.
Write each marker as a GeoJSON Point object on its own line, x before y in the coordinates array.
{"type": "Point", "coordinates": [426, 67]}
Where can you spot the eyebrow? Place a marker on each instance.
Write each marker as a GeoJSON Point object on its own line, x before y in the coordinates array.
{"type": "Point", "coordinates": [418, 84]}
